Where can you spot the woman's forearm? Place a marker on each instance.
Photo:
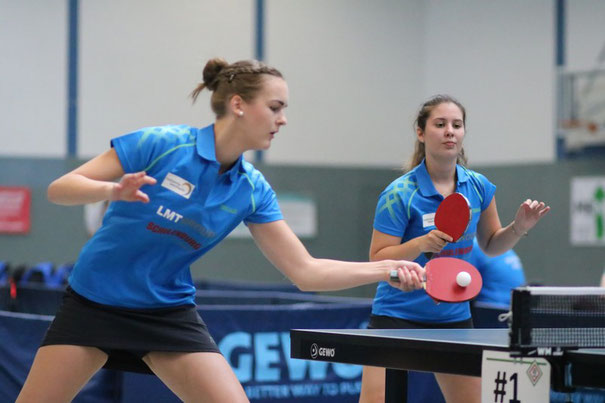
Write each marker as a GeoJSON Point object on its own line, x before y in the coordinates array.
{"type": "Point", "coordinates": [73, 189]}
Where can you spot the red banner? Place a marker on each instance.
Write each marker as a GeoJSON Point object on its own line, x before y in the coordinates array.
{"type": "Point", "coordinates": [15, 205]}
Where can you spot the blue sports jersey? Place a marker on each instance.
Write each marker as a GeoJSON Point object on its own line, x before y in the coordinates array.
{"type": "Point", "coordinates": [140, 256]}
{"type": "Point", "coordinates": [406, 209]}
{"type": "Point", "coordinates": [500, 275]}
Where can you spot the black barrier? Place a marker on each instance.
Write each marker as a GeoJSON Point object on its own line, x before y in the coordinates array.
{"type": "Point", "coordinates": [33, 298]}
{"type": "Point", "coordinates": [42, 300]}
{"type": "Point", "coordinates": [487, 316]}
{"type": "Point", "coordinates": [216, 284]}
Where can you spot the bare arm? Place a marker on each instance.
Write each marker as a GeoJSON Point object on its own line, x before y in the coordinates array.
{"type": "Point", "coordinates": [385, 246]}
{"type": "Point", "coordinates": [495, 239]}
{"type": "Point", "coordinates": [286, 252]}
{"type": "Point", "coordinates": [94, 181]}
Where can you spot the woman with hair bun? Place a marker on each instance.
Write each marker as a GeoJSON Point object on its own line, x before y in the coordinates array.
{"type": "Point", "coordinates": [175, 192]}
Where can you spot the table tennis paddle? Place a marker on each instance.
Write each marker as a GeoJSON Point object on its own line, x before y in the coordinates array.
{"type": "Point", "coordinates": [444, 281]}
{"type": "Point", "coordinates": [452, 217]}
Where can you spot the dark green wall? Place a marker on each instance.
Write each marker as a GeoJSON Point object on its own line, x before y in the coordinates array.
{"type": "Point", "coordinates": [57, 233]}
{"type": "Point", "coordinates": [345, 199]}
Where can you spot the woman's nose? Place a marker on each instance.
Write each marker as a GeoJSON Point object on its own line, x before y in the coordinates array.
{"type": "Point", "coordinates": [282, 120]}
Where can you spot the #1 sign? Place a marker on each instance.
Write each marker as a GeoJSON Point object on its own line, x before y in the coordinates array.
{"type": "Point", "coordinates": [514, 380]}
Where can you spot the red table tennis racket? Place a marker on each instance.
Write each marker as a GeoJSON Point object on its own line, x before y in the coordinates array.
{"type": "Point", "coordinates": [450, 280]}
{"type": "Point", "coordinates": [452, 217]}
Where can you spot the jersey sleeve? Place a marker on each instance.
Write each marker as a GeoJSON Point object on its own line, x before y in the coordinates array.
{"type": "Point", "coordinates": [391, 217]}
{"type": "Point", "coordinates": [265, 207]}
{"type": "Point", "coordinates": [484, 188]}
{"type": "Point", "coordinates": [138, 150]}
{"type": "Point", "coordinates": [133, 158]}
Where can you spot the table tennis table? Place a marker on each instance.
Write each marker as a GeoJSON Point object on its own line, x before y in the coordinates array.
{"type": "Point", "coordinates": [453, 351]}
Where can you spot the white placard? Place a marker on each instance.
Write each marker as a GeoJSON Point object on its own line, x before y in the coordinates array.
{"type": "Point", "coordinates": [514, 380]}
{"type": "Point", "coordinates": [587, 211]}
{"type": "Point", "coordinates": [300, 212]}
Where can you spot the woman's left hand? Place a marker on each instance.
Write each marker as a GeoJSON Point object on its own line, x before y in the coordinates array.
{"type": "Point", "coordinates": [528, 215]}
{"type": "Point", "coordinates": [129, 188]}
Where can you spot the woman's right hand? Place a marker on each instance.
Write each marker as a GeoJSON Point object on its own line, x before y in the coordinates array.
{"type": "Point", "coordinates": [129, 187]}
{"type": "Point", "coordinates": [434, 241]}
{"type": "Point", "coordinates": [410, 275]}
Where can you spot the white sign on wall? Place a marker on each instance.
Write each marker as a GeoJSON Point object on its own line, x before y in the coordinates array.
{"type": "Point", "coordinates": [587, 211]}
{"type": "Point", "coordinates": [300, 212]}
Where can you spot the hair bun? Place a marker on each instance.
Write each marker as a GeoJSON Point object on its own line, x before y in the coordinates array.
{"type": "Point", "coordinates": [212, 70]}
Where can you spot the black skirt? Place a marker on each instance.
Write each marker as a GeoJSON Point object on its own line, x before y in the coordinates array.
{"type": "Point", "coordinates": [126, 335]}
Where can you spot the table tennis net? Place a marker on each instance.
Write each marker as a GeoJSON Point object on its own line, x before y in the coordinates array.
{"type": "Point", "coordinates": [559, 317]}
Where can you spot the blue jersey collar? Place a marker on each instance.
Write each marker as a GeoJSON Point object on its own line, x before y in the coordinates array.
{"type": "Point", "coordinates": [461, 174]}
{"type": "Point", "coordinates": [206, 148]}
{"type": "Point", "coordinates": [205, 143]}
{"type": "Point", "coordinates": [425, 184]}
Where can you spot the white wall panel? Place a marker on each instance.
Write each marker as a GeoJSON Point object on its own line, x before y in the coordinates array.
{"type": "Point", "coordinates": [33, 77]}
{"type": "Point", "coordinates": [355, 70]}
{"type": "Point", "coordinates": [497, 58]}
{"type": "Point", "coordinates": [140, 60]}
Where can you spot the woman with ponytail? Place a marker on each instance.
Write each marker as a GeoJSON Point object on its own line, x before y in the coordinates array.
{"type": "Point", "coordinates": [404, 229]}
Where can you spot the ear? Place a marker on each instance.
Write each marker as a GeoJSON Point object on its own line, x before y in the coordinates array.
{"type": "Point", "coordinates": [235, 104]}
{"type": "Point", "coordinates": [420, 135]}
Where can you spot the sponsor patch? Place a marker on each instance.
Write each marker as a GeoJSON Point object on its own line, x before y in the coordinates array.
{"type": "Point", "coordinates": [178, 185]}
{"type": "Point", "coordinates": [428, 220]}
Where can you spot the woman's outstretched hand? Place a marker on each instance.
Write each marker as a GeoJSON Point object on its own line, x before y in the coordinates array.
{"type": "Point", "coordinates": [528, 215]}
{"type": "Point", "coordinates": [129, 187]}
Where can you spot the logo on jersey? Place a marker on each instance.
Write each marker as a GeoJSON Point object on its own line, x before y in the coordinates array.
{"type": "Point", "coordinates": [178, 185]}
{"type": "Point", "coordinates": [168, 214]}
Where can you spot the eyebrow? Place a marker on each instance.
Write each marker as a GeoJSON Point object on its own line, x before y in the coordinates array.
{"type": "Point", "coordinates": [455, 120]}
{"type": "Point", "coordinates": [282, 103]}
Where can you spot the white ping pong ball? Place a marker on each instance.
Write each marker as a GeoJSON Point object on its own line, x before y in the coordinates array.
{"type": "Point", "coordinates": [463, 279]}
